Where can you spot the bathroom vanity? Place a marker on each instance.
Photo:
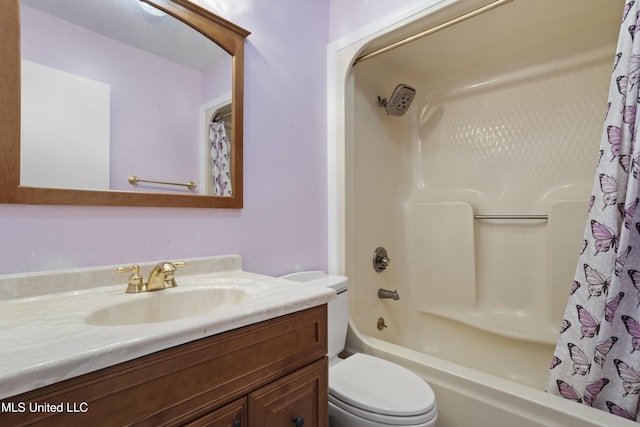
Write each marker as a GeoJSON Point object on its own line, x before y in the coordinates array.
{"type": "Point", "coordinates": [260, 375]}
{"type": "Point", "coordinates": [261, 362]}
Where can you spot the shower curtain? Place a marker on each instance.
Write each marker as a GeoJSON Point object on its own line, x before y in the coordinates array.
{"type": "Point", "coordinates": [597, 358]}
{"type": "Point", "coordinates": [220, 159]}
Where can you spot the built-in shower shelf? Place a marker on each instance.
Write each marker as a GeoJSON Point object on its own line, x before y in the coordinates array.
{"type": "Point", "coordinates": [463, 262]}
{"type": "Point", "coordinates": [515, 325]}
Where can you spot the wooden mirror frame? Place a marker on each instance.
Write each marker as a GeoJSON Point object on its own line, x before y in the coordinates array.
{"type": "Point", "coordinates": [227, 35]}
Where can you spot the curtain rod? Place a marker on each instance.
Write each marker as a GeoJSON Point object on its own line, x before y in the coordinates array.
{"type": "Point", "coordinates": [220, 116]}
{"type": "Point", "coordinates": [432, 30]}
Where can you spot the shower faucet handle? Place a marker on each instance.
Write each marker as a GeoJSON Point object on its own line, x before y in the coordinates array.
{"type": "Point", "coordinates": [384, 261]}
{"type": "Point", "coordinates": [380, 259]}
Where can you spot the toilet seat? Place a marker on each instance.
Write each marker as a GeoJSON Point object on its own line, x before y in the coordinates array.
{"type": "Point", "coordinates": [381, 391]}
{"type": "Point", "coordinates": [381, 419]}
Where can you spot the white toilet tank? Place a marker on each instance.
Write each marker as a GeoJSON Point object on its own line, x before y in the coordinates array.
{"type": "Point", "coordinates": [338, 317]}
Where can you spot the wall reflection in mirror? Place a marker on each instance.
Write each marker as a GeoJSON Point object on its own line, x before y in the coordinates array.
{"type": "Point", "coordinates": [110, 90]}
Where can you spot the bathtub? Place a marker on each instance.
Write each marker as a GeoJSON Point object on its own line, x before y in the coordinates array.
{"type": "Point", "coordinates": [505, 122]}
{"type": "Point", "coordinates": [470, 397]}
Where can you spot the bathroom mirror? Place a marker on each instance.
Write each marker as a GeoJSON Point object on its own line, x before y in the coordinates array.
{"type": "Point", "coordinates": [143, 151]}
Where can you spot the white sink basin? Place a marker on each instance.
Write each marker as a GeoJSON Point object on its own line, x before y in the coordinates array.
{"type": "Point", "coordinates": [168, 304]}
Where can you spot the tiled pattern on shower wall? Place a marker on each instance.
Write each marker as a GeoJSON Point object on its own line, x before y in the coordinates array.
{"type": "Point", "coordinates": [516, 141]}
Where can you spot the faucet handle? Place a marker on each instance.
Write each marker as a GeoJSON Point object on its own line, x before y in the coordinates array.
{"type": "Point", "coordinates": [381, 260]}
{"type": "Point", "coordinates": [169, 268]}
{"type": "Point", "coordinates": [135, 281]}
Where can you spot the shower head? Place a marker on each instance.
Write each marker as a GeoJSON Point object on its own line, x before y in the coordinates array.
{"type": "Point", "coordinates": [399, 101]}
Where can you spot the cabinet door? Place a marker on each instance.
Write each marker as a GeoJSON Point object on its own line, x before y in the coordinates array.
{"type": "Point", "coordinates": [298, 399]}
{"type": "Point", "coordinates": [232, 415]}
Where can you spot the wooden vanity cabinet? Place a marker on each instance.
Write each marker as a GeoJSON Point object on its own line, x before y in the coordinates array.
{"type": "Point", "coordinates": [269, 374]}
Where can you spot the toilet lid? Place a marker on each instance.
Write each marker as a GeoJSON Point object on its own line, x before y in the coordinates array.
{"type": "Point", "coordinates": [377, 385]}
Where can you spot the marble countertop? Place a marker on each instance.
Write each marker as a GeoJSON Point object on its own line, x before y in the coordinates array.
{"type": "Point", "coordinates": [44, 337]}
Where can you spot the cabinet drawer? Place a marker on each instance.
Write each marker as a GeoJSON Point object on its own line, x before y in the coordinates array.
{"type": "Point", "coordinates": [180, 384]}
{"type": "Point", "coordinates": [232, 415]}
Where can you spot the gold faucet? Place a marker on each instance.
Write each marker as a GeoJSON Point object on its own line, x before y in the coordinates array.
{"type": "Point", "coordinates": [162, 276]}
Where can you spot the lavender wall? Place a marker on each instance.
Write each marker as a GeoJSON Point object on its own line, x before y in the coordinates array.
{"type": "Point", "coordinates": [283, 226]}
{"type": "Point", "coordinates": [348, 16]}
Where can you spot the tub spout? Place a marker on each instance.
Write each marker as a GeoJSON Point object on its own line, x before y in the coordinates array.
{"type": "Point", "coordinates": [384, 293]}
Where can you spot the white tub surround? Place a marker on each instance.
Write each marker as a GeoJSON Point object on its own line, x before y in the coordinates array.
{"type": "Point", "coordinates": [45, 339]}
{"type": "Point", "coordinates": [486, 183]}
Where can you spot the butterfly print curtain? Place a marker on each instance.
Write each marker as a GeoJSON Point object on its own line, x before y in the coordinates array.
{"type": "Point", "coordinates": [220, 159]}
{"type": "Point", "coordinates": [597, 358]}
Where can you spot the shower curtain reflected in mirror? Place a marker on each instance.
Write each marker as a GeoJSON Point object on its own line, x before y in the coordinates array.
{"type": "Point", "coordinates": [220, 158]}
{"type": "Point", "coordinates": [597, 357]}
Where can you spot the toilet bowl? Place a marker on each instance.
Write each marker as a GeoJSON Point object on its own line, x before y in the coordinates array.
{"type": "Point", "coordinates": [366, 391]}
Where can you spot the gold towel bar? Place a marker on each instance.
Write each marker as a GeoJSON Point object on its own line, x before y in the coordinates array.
{"type": "Point", "coordinates": [134, 180]}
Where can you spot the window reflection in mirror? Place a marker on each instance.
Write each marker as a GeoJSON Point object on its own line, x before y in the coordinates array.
{"type": "Point", "coordinates": [127, 94]}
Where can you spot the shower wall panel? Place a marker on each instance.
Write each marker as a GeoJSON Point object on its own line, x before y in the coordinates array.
{"type": "Point", "coordinates": [516, 145]}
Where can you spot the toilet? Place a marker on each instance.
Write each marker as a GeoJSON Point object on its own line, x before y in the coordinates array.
{"type": "Point", "coordinates": [366, 391]}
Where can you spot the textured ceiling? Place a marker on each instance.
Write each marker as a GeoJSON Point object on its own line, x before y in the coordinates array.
{"type": "Point", "coordinates": [125, 21]}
